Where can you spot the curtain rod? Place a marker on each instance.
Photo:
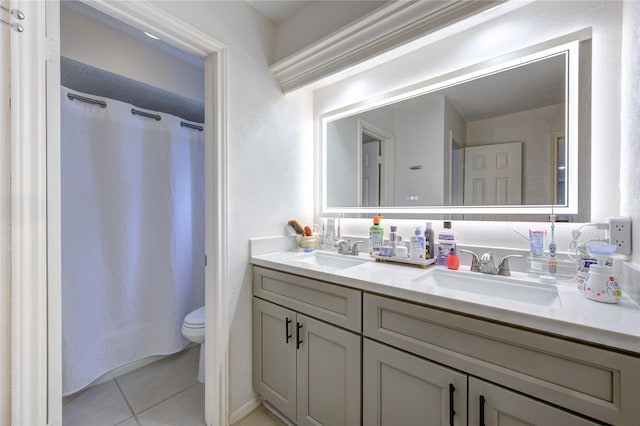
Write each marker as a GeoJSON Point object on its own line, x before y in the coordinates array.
{"type": "Point", "coordinates": [191, 126]}
{"type": "Point", "coordinates": [73, 96]}
{"type": "Point", "coordinates": [145, 114]}
{"type": "Point", "coordinates": [103, 104]}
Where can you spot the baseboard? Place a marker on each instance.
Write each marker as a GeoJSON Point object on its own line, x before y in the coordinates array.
{"type": "Point", "coordinates": [244, 411]}
{"type": "Point", "coordinates": [274, 411]}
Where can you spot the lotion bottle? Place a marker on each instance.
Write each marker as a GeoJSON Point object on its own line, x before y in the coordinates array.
{"type": "Point", "coordinates": [376, 236]}
{"type": "Point", "coordinates": [416, 249]}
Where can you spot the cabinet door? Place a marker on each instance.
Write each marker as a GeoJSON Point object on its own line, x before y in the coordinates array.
{"type": "Point", "coordinates": [492, 405]}
{"type": "Point", "coordinates": [328, 375]}
{"type": "Point", "coordinates": [402, 389]}
{"type": "Point", "coordinates": [274, 355]}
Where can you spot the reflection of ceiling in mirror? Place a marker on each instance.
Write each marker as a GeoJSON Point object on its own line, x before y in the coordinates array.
{"type": "Point", "coordinates": [522, 88]}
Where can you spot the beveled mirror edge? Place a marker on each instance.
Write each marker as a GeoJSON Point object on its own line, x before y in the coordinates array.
{"type": "Point", "coordinates": [569, 43]}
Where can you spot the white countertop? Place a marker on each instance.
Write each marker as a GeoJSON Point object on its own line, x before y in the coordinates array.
{"type": "Point", "coordinates": [613, 325]}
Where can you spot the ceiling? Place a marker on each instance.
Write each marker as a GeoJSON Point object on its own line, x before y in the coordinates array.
{"type": "Point", "coordinates": [278, 11]}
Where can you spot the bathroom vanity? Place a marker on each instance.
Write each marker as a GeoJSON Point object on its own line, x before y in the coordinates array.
{"type": "Point", "coordinates": [341, 341]}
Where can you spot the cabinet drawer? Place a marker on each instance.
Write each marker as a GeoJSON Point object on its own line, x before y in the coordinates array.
{"type": "Point", "coordinates": [328, 302]}
{"type": "Point", "coordinates": [596, 382]}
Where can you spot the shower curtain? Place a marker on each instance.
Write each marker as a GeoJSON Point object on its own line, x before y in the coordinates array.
{"type": "Point", "coordinates": [132, 236]}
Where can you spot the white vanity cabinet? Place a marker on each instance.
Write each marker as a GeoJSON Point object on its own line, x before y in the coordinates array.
{"type": "Point", "coordinates": [307, 368]}
{"type": "Point", "coordinates": [332, 354]}
{"type": "Point", "coordinates": [522, 376]}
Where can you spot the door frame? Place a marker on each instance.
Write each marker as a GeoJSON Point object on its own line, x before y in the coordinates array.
{"type": "Point", "coordinates": [386, 151]}
{"type": "Point", "coordinates": [36, 323]}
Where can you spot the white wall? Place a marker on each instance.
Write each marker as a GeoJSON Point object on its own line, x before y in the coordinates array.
{"type": "Point", "coordinates": [630, 139]}
{"type": "Point", "coordinates": [418, 131]}
{"type": "Point", "coordinates": [270, 158]}
{"type": "Point", "coordinates": [531, 24]}
{"type": "Point", "coordinates": [121, 54]}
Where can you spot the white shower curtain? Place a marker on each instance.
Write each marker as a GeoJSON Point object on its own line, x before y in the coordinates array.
{"type": "Point", "coordinates": [132, 236]}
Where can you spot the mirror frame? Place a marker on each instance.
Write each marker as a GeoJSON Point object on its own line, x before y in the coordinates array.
{"type": "Point", "coordinates": [570, 49]}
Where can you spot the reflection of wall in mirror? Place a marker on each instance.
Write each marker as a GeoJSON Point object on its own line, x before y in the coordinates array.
{"type": "Point", "coordinates": [419, 129]}
{"type": "Point", "coordinates": [341, 173]}
{"type": "Point", "coordinates": [535, 128]}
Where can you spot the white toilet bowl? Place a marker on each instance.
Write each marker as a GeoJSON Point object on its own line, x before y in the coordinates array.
{"type": "Point", "coordinates": [193, 329]}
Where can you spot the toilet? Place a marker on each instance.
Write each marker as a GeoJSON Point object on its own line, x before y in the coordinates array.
{"type": "Point", "coordinates": [193, 329]}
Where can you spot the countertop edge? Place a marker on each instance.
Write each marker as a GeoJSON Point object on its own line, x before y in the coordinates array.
{"type": "Point", "coordinates": [562, 328]}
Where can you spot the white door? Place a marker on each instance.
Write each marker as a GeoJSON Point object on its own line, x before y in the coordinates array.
{"type": "Point", "coordinates": [371, 174]}
{"type": "Point", "coordinates": [493, 174]}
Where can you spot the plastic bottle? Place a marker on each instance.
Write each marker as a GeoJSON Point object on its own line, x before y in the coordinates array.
{"type": "Point", "coordinates": [446, 243]}
{"type": "Point", "coordinates": [453, 261]}
{"type": "Point", "coordinates": [416, 248]}
{"type": "Point", "coordinates": [393, 238]}
{"type": "Point", "coordinates": [553, 263]}
{"type": "Point", "coordinates": [429, 241]}
{"type": "Point", "coordinates": [376, 235]}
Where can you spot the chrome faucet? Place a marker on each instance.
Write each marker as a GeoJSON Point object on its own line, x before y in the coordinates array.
{"type": "Point", "coordinates": [344, 247]}
{"type": "Point", "coordinates": [486, 264]}
{"type": "Point", "coordinates": [475, 261]}
{"type": "Point", "coordinates": [503, 267]}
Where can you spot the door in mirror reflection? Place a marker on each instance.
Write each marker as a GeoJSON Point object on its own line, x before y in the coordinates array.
{"type": "Point", "coordinates": [493, 174]}
{"type": "Point", "coordinates": [370, 173]}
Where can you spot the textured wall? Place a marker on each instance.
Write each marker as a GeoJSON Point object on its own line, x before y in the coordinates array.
{"type": "Point", "coordinates": [630, 138]}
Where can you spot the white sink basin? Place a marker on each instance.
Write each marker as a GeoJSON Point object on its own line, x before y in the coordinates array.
{"type": "Point", "coordinates": [332, 260]}
{"type": "Point", "coordinates": [495, 286]}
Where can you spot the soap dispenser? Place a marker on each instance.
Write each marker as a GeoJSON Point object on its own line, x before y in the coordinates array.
{"type": "Point", "coordinates": [601, 284]}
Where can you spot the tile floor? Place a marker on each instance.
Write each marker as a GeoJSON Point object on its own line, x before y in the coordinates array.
{"type": "Point", "coordinates": [166, 392]}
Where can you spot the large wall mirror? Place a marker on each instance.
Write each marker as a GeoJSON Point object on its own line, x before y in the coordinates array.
{"type": "Point", "coordinates": [497, 140]}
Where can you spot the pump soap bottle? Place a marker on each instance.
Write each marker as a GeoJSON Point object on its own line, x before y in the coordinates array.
{"type": "Point", "coordinates": [376, 236]}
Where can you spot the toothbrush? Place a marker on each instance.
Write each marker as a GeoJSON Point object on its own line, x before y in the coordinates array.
{"type": "Point", "coordinates": [553, 265]}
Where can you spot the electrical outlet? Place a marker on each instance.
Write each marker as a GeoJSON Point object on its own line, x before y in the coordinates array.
{"type": "Point", "coordinates": [620, 233]}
